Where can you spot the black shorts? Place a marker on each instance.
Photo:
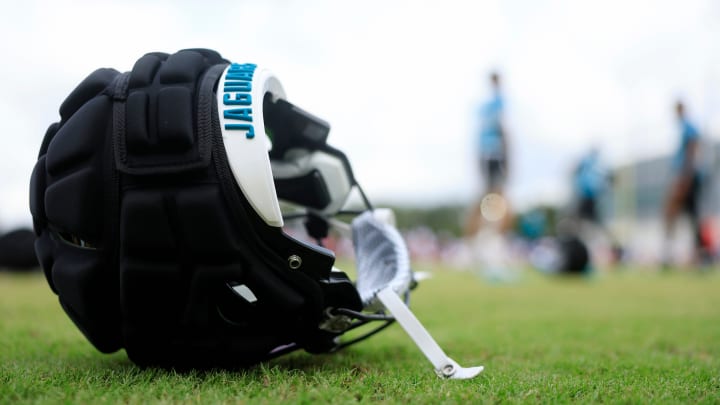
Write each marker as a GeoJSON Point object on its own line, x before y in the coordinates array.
{"type": "Point", "coordinates": [587, 209]}
{"type": "Point", "coordinates": [494, 171]}
{"type": "Point", "coordinates": [691, 202]}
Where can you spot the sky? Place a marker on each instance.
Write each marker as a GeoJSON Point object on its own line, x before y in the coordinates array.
{"type": "Point", "coordinates": [399, 81]}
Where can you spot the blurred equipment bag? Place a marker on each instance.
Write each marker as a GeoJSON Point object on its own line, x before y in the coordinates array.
{"type": "Point", "coordinates": [16, 250]}
{"type": "Point", "coordinates": [156, 204]}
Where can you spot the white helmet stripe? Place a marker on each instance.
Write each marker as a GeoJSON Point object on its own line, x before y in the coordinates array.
{"type": "Point", "coordinates": [240, 96]}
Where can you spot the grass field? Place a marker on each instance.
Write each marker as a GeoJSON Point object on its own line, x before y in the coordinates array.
{"type": "Point", "coordinates": [618, 338]}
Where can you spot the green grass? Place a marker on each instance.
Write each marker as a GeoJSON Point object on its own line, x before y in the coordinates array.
{"type": "Point", "coordinates": [618, 338]}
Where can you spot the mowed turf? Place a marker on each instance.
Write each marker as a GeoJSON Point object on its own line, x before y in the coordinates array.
{"type": "Point", "coordinates": [620, 338]}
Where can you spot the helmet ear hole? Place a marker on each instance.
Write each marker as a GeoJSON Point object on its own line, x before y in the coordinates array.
{"type": "Point", "coordinates": [236, 304]}
{"type": "Point", "coordinates": [259, 302]}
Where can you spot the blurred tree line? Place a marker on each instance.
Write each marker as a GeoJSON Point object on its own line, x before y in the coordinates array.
{"type": "Point", "coordinates": [449, 219]}
{"type": "Point", "coordinates": [446, 219]}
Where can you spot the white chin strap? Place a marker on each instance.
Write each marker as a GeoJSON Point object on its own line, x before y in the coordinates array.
{"type": "Point", "coordinates": [383, 270]}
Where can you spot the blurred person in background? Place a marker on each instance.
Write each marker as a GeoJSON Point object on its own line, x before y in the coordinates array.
{"type": "Point", "coordinates": [685, 188]}
{"type": "Point", "coordinates": [591, 181]}
{"type": "Point", "coordinates": [490, 217]}
{"type": "Point", "coordinates": [493, 163]}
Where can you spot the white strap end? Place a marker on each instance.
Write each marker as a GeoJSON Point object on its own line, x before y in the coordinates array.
{"type": "Point", "coordinates": [445, 367]}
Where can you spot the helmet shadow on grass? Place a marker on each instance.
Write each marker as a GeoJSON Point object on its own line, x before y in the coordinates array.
{"type": "Point", "coordinates": [296, 362]}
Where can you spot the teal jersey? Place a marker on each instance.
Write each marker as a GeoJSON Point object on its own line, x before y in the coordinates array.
{"type": "Point", "coordinates": [688, 133]}
{"type": "Point", "coordinates": [589, 176]}
{"type": "Point", "coordinates": [490, 141]}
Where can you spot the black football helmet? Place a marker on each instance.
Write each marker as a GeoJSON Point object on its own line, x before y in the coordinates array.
{"type": "Point", "coordinates": [157, 203]}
